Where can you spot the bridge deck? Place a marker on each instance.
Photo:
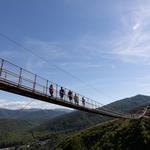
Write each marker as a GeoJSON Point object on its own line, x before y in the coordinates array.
{"type": "Point", "coordinates": [17, 80]}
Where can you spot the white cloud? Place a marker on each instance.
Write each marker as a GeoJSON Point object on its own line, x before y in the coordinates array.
{"type": "Point", "coordinates": [136, 26]}
{"type": "Point", "coordinates": [50, 50]}
{"type": "Point", "coordinates": [130, 43]}
{"type": "Point", "coordinates": [26, 104]}
{"type": "Point", "coordinates": [11, 104]}
{"type": "Point", "coordinates": [133, 43]}
{"type": "Point", "coordinates": [81, 65]}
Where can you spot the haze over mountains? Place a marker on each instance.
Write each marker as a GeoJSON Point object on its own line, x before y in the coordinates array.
{"type": "Point", "coordinates": [32, 114]}
{"type": "Point", "coordinates": [123, 105]}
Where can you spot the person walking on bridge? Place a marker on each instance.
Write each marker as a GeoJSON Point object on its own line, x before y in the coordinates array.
{"type": "Point", "coordinates": [83, 101]}
{"type": "Point", "coordinates": [76, 99]}
{"type": "Point", "coordinates": [70, 96]}
{"type": "Point", "coordinates": [51, 90]}
{"type": "Point", "coordinates": [62, 92]}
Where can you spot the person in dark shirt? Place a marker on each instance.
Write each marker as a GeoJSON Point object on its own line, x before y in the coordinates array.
{"type": "Point", "coordinates": [70, 95]}
{"type": "Point", "coordinates": [83, 101]}
{"type": "Point", "coordinates": [51, 90]}
{"type": "Point", "coordinates": [61, 93]}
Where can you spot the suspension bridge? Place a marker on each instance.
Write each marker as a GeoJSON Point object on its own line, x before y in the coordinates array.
{"type": "Point", "coordinates": [17, 80]}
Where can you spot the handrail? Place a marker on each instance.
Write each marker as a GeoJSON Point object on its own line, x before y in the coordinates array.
{"type": "Point", "coordinates": [21, 80]}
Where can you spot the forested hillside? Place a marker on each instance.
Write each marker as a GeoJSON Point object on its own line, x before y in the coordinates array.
{"type": "Point", "coordinates": [116, 135]}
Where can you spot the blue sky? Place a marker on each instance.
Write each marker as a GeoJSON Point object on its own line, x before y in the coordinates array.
{"type": "Point", "coordinates": [105, 43]}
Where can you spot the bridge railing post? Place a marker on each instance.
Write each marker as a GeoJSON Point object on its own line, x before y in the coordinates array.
{"type": "Point", "coordinates": [87, 103]}
{"type": "Point", "coordinates": [96, 105]}
{"type": "Point", "coordinates": [20, 78]}
{"type": "Point", "coordinates": [5, 77]}
{"type": "Point", "coordinates": [92, 103]}
{"type": "Point", "coordinates": [65, 96]}
{"type": "Point", "coordinates": [56, 90]}
{"type": "Point", "coordinates": [34, 83]}
{"type": "Point", "coordinates": [46, 87]}
{"type": "Point", "coordinates": [1, 69]}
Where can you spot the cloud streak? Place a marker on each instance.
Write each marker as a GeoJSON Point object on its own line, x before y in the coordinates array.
{"type": "Point", "coordinates": [133, 43]}
{"type": "Point", "coordinates": [129, 43]}
{"type": "Point", "coordinates": [22, 104]}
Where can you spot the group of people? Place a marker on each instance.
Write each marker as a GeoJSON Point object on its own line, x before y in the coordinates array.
{"type": "Point", "coordinates": [70, 95]}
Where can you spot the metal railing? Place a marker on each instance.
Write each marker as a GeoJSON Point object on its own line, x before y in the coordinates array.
{"type": "Point", "coordinates": [25, 79]}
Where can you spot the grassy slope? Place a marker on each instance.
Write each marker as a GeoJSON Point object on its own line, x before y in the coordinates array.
{"type": "Point", "coordinates": [74, 121]}
{"type": "Point", "coordinates": [14, 132]}
{"type": "Point", "coordinates": [117, 135]}
{"type": "Point", "coordinates": [16, 125]}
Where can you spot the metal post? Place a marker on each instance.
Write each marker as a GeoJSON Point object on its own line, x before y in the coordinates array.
{"type": "Point", "coordinates": [65, 97]}
{"type": "Point", "coordinates": [43, 89]}
{"type": "Point", "coordinates": [19, 81]}
{"type": "Point", "coordinates": [87, 103]}
{"type": "Point", "coordinates": [34, 83]}
{"type": "Point", "coordinates": [56, 90]}
{"type": "Point", "coordinates": [95, 105]}
{"type": "Point", "coordinates": [46, 87]}
{"type": "Point", "coordinates": [5, 75]}
{"type": "Point", "coordinates": [92, 104]}
{"type": "Point", "coordinates": [1, 67]}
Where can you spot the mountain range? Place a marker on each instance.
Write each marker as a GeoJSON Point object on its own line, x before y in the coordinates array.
{"type": "Point", "coordinates": [32, 114]}
{"type": "Point", "coordinates": [20, 127]}
{"type": "Point", "coordinates": [78, 120]}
